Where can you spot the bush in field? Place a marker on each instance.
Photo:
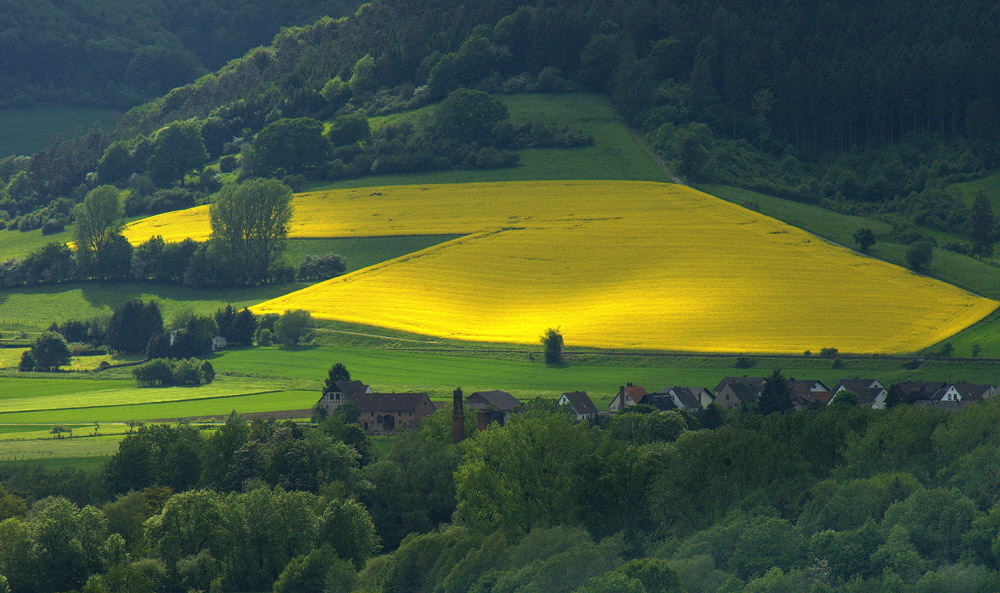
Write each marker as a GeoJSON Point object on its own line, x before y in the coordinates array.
{"type": "Point", "coordinates": [161, 372]}
{"type": "Point", "coordinates": [49, 352]}
{"type": "Point", "coordinates": [292, 327]}
{"type": "Point", "coordinates": [321, 267]}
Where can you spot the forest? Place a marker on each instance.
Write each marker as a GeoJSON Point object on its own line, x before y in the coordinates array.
{"type": "Point", "coordinates": [842, 499]}
{"type": "Point", "coordinates": [862, 108]}
{"type": "Point", "coordinates": [115, 54]}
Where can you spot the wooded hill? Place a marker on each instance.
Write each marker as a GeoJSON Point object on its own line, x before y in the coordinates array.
{"type": "Point", "coordinates": [866, 109]}
{"type": "Point", "coordinates": [115, 54]}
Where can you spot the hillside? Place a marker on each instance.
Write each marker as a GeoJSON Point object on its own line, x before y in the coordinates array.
{"type": "Point", "coordinates": [614, 264]}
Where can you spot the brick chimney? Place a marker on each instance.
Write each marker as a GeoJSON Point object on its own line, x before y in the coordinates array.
{"type": "Point", "coordinates": [457, 417]}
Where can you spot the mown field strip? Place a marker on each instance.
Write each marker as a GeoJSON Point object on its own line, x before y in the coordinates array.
{"type": "Point", "coordinates": [119, 393]}
{"type": "Point", "coordinates": [211, 406]}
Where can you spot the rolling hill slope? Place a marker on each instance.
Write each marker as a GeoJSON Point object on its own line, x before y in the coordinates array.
{"type": "Point", "coordinates": [613, 263]}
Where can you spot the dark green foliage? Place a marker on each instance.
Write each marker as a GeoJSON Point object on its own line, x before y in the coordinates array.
{"type": "Point", "coordinates": [865, 238]}
{"type": "Point", "coordinates": [289, 146]}
{"type": "Point", "coordinates": [49, 352]}
{"type": "Point", "coordinates": [553, 342]}
{"type": "Point", "coordinates": [919, 255]}
{"type": "Point", "coordinates": [845, 398]}
{"type": "Point", "coordinates": [338, 372]}
{"type": "Point", "coordinates": [349, 129]}
{"type": "Point", "coordinates": [472, 117]}
{"type": "Point", "coordinates": [132, 324]}
{"type": "Point", "coordinates": [321, 267]}
{"type": "Point", "coordinates": [982, 226]}
{"type": "Point", "coordinates": [776, 395]}
{"type": "Point", "coordinates": [177, 149]}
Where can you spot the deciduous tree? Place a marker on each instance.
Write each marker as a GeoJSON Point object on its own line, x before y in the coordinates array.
{"type": "Point", "coordinates": [250, 224]}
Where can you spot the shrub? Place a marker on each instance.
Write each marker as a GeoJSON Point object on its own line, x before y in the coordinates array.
{"type": "Point", "coordinates": [156, 372]}
{"type": "Point", "coordinates": [293, 326]}
{"type": "Point", "coordinates": [187, 372]}
{"type": "Point", "coordinates": [919, 256]}
{"type": "Point", "coordinates": [49, 352]}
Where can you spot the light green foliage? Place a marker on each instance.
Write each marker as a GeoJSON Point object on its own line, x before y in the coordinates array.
{"type": "Point", "coordinates": [98, 218]}
{"type": "Point", "coordinates": [293, 327]}
{"type": "Point", "coordinates": [250, 224]}
{"type": "Point", "coordinates": [698, 574]}
{"type": "Point", "coordinates": [849, 505]}
{"type": "Point", "coordinates": [767, 542]}
{"type": "Point", "coordinates": [363, 75]}
{"type": "Point", "coordinates": [778, 581]}
{"type": "Point", "coordinates": [898, 554]}
{"type": "Point", "coordinates": [936, 519]}
{"type": "Point", "coordinates": [521, 476]}
{"type": "Point", "coordinates": [642, 429]}
{"type": "Point", "coordinates": [348, 529]}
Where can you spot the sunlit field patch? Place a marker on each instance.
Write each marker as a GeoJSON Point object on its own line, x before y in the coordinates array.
{"type": "Point", "coordinates": [613, 264]}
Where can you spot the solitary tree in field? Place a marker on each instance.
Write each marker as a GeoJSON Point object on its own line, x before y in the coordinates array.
{"type": "Point", "coordinates": [982, 226]}
{"type": "Point", "coordinates": [865, 238]}
{"type": "Point", "coordinates": [49, 352]}
{"type": "Point", "coordinates": [919, 255]}
{"type": "Point", "coordinates": [250, 224]}
{"type": "Point", "coordinates": [553, 342]}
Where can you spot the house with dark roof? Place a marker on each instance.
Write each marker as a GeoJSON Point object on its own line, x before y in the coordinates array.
{"type": "Point", "coordinates": [754, 382]}
{"type": "Point", "coordinates": [689, 398]}
{"type": "Point", "coordinates": [660, 401]}
{"type": "Point", "coordinates": [383, 413]}
{"type": "Point", "coordinates": [628, 395]}
{"type": "Point", "coordinates": [499, 404]}
{"type": "Point", "coordinates": [809, 393]}
{"type": "Point", "coordinates": [870, 392]}
{"type": "Point", "coordinates": [737, 395]}
{"type": "Point", "coordinates": [915, 391]}
{"type": "Point", "coordinates": [964, 392]}
{"type": "Point", "coordinates": [341, 393]}
{"type": "Point", "coordinates": [580, 403]}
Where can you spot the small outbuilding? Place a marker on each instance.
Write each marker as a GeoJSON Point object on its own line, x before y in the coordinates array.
{"type": "Point", "coordinates": [499, 404]}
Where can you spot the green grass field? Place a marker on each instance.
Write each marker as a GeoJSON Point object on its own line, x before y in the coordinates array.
{"type": "Point", "coordinates": [988, 185]}
{"type": "Point", "coordinates": [26, 131]}
{"type": "Point", "coordinates": [614, 155]}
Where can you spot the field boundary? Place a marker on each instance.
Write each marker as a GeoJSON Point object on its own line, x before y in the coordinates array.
{"type": "Point", "coordinates": [172, 401]}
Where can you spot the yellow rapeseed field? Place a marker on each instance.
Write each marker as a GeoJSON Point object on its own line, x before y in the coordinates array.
{"type": "Point", "coordinates": [612, 264]}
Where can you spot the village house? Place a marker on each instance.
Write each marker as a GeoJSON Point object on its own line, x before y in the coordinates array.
{"type": "Point", "coordinates": [964, 392]}
{"type": "Point", "coordinates": [660, 401]}
{"type": "Point", "coordinates": [580, 403]}
{"type": "Point", "coordinates": [808, 394]}
{"type": "Point", "coordinates": [736, 392]}
{"type": "Point", "coordinates": [914, 391]}
{"type": "Point", "coordinates": [387, 412]}
{"type": "Point", "coordinates": [341, 394]}
{"type": "Point", "coordinates": [499, 404]}
{"type": "Point", "coordinates": [689, 398]}
{"type": "Point", "coordinates": [628, 395]}
{"type": "Point", "coordinates": [870, 392]}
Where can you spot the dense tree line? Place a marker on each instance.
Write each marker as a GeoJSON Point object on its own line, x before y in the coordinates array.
{"type": "Point", "coordinates": [116, 55]}
{"type": "Point", "coordinates": [842, 499]}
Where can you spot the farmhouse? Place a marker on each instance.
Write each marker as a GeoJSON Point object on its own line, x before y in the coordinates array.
{"type": "Point", "coordinates": [660, 401]}
{"type": "Point", "coordinates": [870, 392]}
{"type": "Point", "coordinates": [964, 392]}
{"type": "Point", "coordinates": [628, 395]}
{"type": "Point", "coordinates": [580, 403]}
{"type": "Point", "coordinates": [341, 394]}
{"type": "Point", "coordinates": [499, 404]}
{"type": "Point", "coordinates": [385, 412]}
{"type": "Point", "coordinates": [914, 391]}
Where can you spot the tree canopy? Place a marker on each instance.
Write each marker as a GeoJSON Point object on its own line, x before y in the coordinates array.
{"type": "Point", "coordinates": [249, 225]}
